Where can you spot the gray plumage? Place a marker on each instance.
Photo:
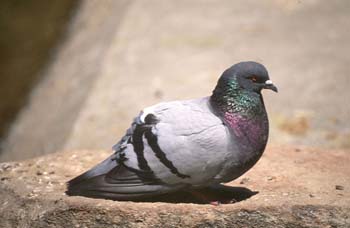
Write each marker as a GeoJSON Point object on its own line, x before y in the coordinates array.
{"type": "Point", "coordinates": [179, 145]}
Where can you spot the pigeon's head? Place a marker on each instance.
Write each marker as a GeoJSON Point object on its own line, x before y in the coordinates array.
{"type": "Point", "coordinates": [251, 76]}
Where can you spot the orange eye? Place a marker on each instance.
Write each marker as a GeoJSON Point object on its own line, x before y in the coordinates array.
{"type": "Point", "coordinates": [254, 79]}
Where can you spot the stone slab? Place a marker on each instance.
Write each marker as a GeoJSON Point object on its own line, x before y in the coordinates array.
{"type": "Point", "coordinates": [296, 187]}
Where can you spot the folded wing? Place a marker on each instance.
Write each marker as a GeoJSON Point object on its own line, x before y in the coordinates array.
{"type": "Point", "coordinates": [168, 147]}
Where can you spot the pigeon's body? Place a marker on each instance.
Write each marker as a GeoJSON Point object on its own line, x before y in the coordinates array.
{"type": "Point", "coordinates": [184, 144]}
{"type": "Point", "coordinates": [185, 131]}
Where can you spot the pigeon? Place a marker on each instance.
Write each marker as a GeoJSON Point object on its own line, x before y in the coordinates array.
{"type": "Point", "coordinates": [190, 144]}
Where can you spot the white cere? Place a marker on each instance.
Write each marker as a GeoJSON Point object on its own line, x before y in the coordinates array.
{"type": "Point", "coordinates": [268, 82]}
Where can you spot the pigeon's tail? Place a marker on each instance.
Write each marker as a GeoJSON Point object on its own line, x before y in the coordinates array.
{"type": "Point", "coordinates": [110, 180]}
{"type": "Point", "coordinates": [86, 181]}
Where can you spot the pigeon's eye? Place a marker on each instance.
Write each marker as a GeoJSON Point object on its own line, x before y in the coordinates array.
{"type": "Point", "coordinates": [253, 79]}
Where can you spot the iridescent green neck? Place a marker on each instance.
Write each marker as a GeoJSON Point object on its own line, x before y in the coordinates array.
{"type": "Point", "coordinates": [244, 113]}
{"type": "Point", "coordinates": [228, 97]}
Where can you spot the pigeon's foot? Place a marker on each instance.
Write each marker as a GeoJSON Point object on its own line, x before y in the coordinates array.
{"type": "Point", "coordinates": [218, 203]}
{"type": "Point", "coordinates": [208, 197]}
{"type": "Point", "coordinates": [202, 196]}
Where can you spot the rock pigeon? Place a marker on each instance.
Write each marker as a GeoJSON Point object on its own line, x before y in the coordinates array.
{"type": "Point", "coordinates": [189, 144]}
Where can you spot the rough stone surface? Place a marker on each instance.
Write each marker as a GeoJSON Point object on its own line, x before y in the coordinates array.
{"type": "Point", "coordinates": [297, 187]}
{"type": "Point", "coordinates": [119, 58]}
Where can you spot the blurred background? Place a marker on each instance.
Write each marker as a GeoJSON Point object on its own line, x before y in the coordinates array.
{"type": "Point", "coordinates": [75, 73]}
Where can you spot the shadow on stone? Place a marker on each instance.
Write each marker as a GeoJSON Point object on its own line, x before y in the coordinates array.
{"type": "Point", "coordinates": [220, 193]}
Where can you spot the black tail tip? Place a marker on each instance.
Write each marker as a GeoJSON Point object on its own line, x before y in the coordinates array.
{"type": "Point", "coordinates": [70, 190]}
{"type": "Point", "coordinates": [75, 185]}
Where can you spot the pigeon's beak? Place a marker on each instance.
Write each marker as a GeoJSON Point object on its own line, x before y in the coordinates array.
{"type": "Point", "coordinates": [269, 85]}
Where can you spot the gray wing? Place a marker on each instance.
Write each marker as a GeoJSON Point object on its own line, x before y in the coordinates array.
{"type": "Point", "coordinates": [180, 142]}
{"type": "Point", "coordinates": [168, 146]}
